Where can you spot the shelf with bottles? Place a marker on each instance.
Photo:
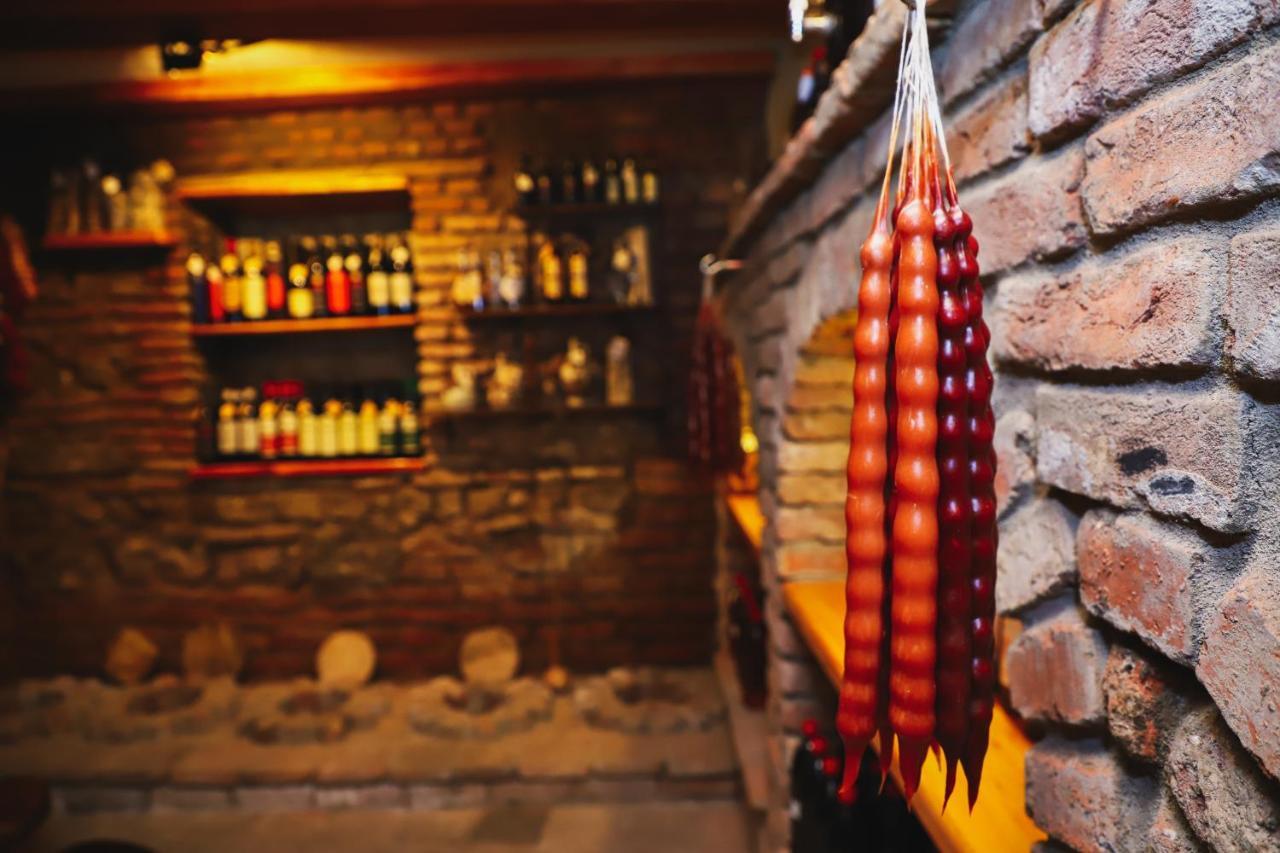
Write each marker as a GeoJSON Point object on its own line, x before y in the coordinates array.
{"type": "Point", "coordinates": [92, 210]}
{"type": "Point", "coordinates": [302, 283]}
{"type": "Point", "coordinates": [620, 186]}
{"type": "Point", "coordinates": [376, 425]}
{"type": "Point", "coordinates": [307, 468]}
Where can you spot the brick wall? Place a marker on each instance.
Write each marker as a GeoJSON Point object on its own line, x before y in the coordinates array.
{"type": "Point", "coordinates": [587, 538]}
{"type": "Point", "coordinates": [1120, 163]}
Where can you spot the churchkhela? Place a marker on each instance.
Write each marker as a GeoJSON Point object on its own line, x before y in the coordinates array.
{"type": "Point", "coordinates": [920, 508]}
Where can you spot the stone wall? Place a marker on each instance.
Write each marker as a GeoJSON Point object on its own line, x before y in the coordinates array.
{"type": "Point", "coordinates": [586, 536]}
{"type": "Point", "coordinates": [1120, 163]}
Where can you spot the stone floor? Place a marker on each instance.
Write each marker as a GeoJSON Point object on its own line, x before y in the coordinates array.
{"type": "Point", "coordinates": [704, 827]}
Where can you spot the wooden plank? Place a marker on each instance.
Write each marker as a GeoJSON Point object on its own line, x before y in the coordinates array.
{"type": "Point", "coordinates": [292, 182]}
{"type": "Point", "coordinates": [110, 240]}
{"type": "Point", "coordinates": [293, 327]}
{"type": "Point", "coordinates": [588, 410]}
{"type": "Point", "coordinates": [306, 468]}
{"type": "Point", "coordinates": [999, 822]}
{"type": "Point", "coordinates": [569, 309]}
{"type": "Point", "coordinates": [749, 731]}
{"type": "Point", "coordinates": [745, 511]}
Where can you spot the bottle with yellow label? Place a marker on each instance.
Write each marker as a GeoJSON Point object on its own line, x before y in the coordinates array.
{"type": "Point", "coordinates": [268, 429]}
{"type": "Point", "coordinates": [409, 442]}
{"type": "Point", "coordinates": [302, 300]}
{"type": "Point", "coordinates": [388, 423]}
{"type": "Point", "coordinates": [550, 274]}
{"type": "Point", "coordinates": [308, 430]}
{"type": "Point", "coordinates": [255, 289]}
{"type": "Point", "coordinates": [247, 420]}
{"type": "Point", "coordinates": [578, 253]}
{"type": "Point", "coordinates": [328, 429]}
{"type": "Point", "coordinates": [228, 442]}
{"type": "Point", "coordinates": [288, 429]}
{"type": "Point", "coordinates": [368, 418]}
{"type": "Point", "coordinates": [348, 430]}
{"type": "Point", "coordinates": [232, 285]}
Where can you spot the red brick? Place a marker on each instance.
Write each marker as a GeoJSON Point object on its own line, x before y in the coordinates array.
{"type": "Point", "coordinates": [1144, 702]}
{"type": "Point", "coordinates": [1213, 140]}
{"type": "Point", "coordinates": [1106, 53]}
{"type": "Point", "coordinates": [988, 37]}
{"type": "Point", "coordinates": [992, 130]}
{"type": "Point", "coordinates": [1055, 670]}
{"type": "Point", "coordinates": [1179, 452]}
{"type": "Point", "coordinates": [1015, 465]}
{"type": "Point", "coordinates": [825, 523]}
{"type": "Point", "coordinates": [1240, 663]}
{"type": "Point", "coordinates": [809, 457]}
{"type": "Point", "coordinates": [1253, 304]}
{"type": "Point", "coordinates": [1227, 801]}
{"type": "Point", "coordinates": [1157, 307]}
{"type": "Point", "coordinates": [1081, 795]}
{"type": "Point", "coordinates": [810, 562]}
{"type": "Point", "coordinates": [1140, 575]}
{"type": "Point", "coordinates": [1037, 555]}
{"type": "Point", "coordinates": [816, 426]}
{"type": "Point", "coordinates": [1031, 213]}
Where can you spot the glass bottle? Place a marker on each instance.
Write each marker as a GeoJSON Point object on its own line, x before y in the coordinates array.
{"type": "Point", "coordinates": [401, 279]}
{"type": "Point", "coordinates": [379, 280]}
{"type": "Point", "coordinates": [254, 284]}
{"type": "Point", "coordinates": [232, 284]}
{"type": "Point", "coordinates": [308, 430]}
{"type": "Point", "coordinates": [288, 429]}
{"type": "Point", "coordinates": [569, 183]}
{"type": "Point", "coordinates": [526, 185]}
{"type": "Point", "coordinates": [592, 188]}
{"type": "Point", "coordinates": [273, 272]}
{"type": "Point", "coordinates": [630, 181]}
{"type": "Point", "coordinates": [369, 428]}
{"type": "Point", "coordinates": [348, 429]}
{"type": "Point", "coordinates": [327, 429]}
{"type": "Point", "coordinates": [316, 274]}
{"type": "Point", "coordinates": [228, 441]}
{"type": "Point", "coordinates": [247, 423]}
{"type": "Point", "coordinates": [302, 299]}
{"type": "Point", "coordinates": [268, 429]}
{"type": "Point", "coordinates": [388, 424]}
{"type": "Point", "coordinates": [354, 263]}
{"type": "Point", "coordinates": [409, 442]}
{"type": "Point", "coordinates": [337, 287]}
{"type": "Point", "coordinates": [612, 182]}
{"type": "Point", "coordinates": [550, 272]}
{"type": "Point", "coordinates": [198, 287]}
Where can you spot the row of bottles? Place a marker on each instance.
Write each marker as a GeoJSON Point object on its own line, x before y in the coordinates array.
{"type": "Point", "coordinates": [583, 182]}
{"type": "Point", "coordinates": [84, 200]}
{"type": "Point", "coordinates": [877, 821]}
{"type": "Point", "coordinates": [302, 278]}
{"type": "Point", "coordinates": [289, 424]}
{"type": "Point", "coordinates": [562, 273]}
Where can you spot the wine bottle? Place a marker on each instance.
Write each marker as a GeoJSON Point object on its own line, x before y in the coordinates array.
{"type": "Point", "coordinates": [273, 272]}
{"type": "Point", "coordinates": [198, 287]}
{"type": "Point", "coordinates": [232, 284]}
{"type": "Point", "coordinates": [526, 186]}
{"type": "Point", "coordinates": [379, 280]}
{"type": "Point", "coordinates": [401, 278]}
{"type": "Point", "coordinates": [337, 287]}
{"type": "Point", "coordinates": [354, 263]}
{"type": "Point", "coordinates": [254, 283]}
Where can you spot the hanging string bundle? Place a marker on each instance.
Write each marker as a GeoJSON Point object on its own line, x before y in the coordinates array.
{"type": "Point", "coordinates": [714, 398]}
{"type": "Point", "coordinates": [920, 509]}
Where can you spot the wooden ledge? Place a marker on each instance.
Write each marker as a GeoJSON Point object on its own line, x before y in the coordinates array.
{"type": "Point", "coordinates": [746, 513]}
{"type": "Point", "coordinates": [1000, 822]}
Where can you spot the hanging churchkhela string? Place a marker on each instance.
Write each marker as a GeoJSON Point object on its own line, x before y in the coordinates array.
{"type": "Point", "coordinates": [715, 401]}
{"type": "Point", "coordinates": [920, 509]}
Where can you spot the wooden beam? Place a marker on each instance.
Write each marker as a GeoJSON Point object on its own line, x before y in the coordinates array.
{"type": "Point", "coordinates": [291, 88]}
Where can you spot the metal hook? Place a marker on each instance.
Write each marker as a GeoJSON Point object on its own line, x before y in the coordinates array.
{"type": "Point", "coordinates": [710, 267]}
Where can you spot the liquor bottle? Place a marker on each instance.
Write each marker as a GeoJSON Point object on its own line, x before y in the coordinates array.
{"type": "Point", "coordinates": [379, 280]}
{"type": "Point", "coordinates": [348, 429]}
{"type": "Point", "coordinates": [273, 271]}
{"type": "Point", "coordinates": [409, 442]}
{"type": "Point", "coordinates": [315, 277]}
{"type": "Point", "coordinates": [612, 182]}
{"type": "Point", "coordinates": [550, 273]}
{"type": "Point", "coordinates": [268, 429]}
{"type": "Point", "coordinates": [592, 189]}
{"type": "Point", "coordinates": [576, 262]}
{"type": "Point", "coordinates": [512, 284]}
{"type": "Point", "coordinates": [650, 189]}
{"type": "Point", "coordinates": [546, 186]}
{"type": "Point", "coordinates": [254, 286]}
{"type": "Point", "coordinates": [401, 278]}
{"type": "Point", "coordinates": [809, 88]}
{"type": "Point", "coordinates": [368, 428]}
{"type": "Point", "coordinates": [492, 278]}
{"type": "Point", "coordinates": [354, 262]}
{"type": "Point", "coordinates": [630, 181]}
{"type": "Point", "coordinates": [92, 201]}
{"type": "Point", "coordinates": [308, 430]}
{"type": "Point", "coordinates": [288, 430]}
{"type": "Point", "coordinates": [302, 300]}
{"type": "Point", "coordinates": [232, 284]}
{"type": "Point", "coordinates": [337, 287]}
{"type": "Point", "coordinates": [247, 423]}
{"type": "Point", "coordinates": [526, 186]}
{"type": "Point", "coordinates": [388, 424]}
{"type": "Point", "coordinates": [213, 285]}
{"type": "Point", "coordinates": [569, 183]}
{"type": "Point", "coordinates": [228, 442]}
{"type": "Point", "coordinates": [327, 429]}
{"type": "Point", "coordinates": [198, 287]}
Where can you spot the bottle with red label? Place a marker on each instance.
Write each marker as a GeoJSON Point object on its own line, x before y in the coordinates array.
{"type": "Point", "coordinates": [337, 284]}
{"type": "Point", "coordinates": [273, 270]}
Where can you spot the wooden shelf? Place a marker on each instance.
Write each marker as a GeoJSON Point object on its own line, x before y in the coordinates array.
{"type": "Point", "coordinates": [591, 409]}
{"type": "Point", "coordinates": [298, 191]}
{"type": "Point", "coordinates": [585, 209]}
{"type": "Point", "coordinates": [568, 309]}
{"type": "Point", "coordinates": [745, 511]}
{"type": "Point", "coordinates": [750, 731]}
{"type": "Point", "coordinates": [291, 327]}
{"type": "Point", "coordinates": [999, 822]}
{"type": "Point", "coordinates": [110, 240]}
{"type": "Point", "coordinates": [306, 468]}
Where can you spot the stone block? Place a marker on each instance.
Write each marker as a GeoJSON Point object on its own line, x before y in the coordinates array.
{"type": "Point", "coordinates": [1014, 443]}
{"type": "Point", "coordinates": [1055, 670]}
{"type": "Point", "coordinates": [1081, 795]}
{"type": "Point", "coordinates": [1253, 304]}
{"type": "Point", "coordinates": [1145, 700]}
{"type": "Point", "coordinates": [1037, 555]}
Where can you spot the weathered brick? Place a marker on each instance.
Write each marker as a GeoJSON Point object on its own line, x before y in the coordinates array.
{"type": "Point", "coordinates": [812, 489]}
{"type": "Point", "coordinates": [1169, 832]}
{"type": "Point", "coordinates": [824, 456]}
{"type": "Point", "coordinates": [1082, 796]}
{"type": "Point", "coordinates": [992, 130]}
{"type": "Point", "coordinates": [821, 523]}
{"type": "Point", "coordinates": [810, 561]}
{"type": "Point", "coordinates": [1142, 576]}
{"type": "Point", "coordinates": [1213, 140]}
{"type": "Point", "coordinates": [1106, 53]}
{"type": "Point", "coordinates": [1180, 452]}
{"type": "Point", "coordinates": [1253, 304]}
{"type": "Point", "coordinates": [988, 37]}
{"type": "Point", "coordinates": [1014, 443]}
{"type": "Point", "coordinates": [1240, 663]}
{"type": "Point", "coordinates": [1055, 670]}
{"type": "Point", "coordinates": [815, 426]}
{"type": "Point", "coordinates": [1227, 801]}
{"type": "Point", "coordinates": [1031, 213]}
{"type": "Point", "coordinates": [1037, 555]}
{"type": "Point", "coordinates": [1157, 307]}
{"type": "Point", "coordinates": [1145, 700]}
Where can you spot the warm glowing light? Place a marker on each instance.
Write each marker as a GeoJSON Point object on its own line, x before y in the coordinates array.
{"type": "Point", "coordinates": [750, 444]}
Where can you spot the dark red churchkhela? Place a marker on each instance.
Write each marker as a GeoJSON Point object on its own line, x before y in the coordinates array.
{"type": "Point", "coordinates": [715, 417]}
